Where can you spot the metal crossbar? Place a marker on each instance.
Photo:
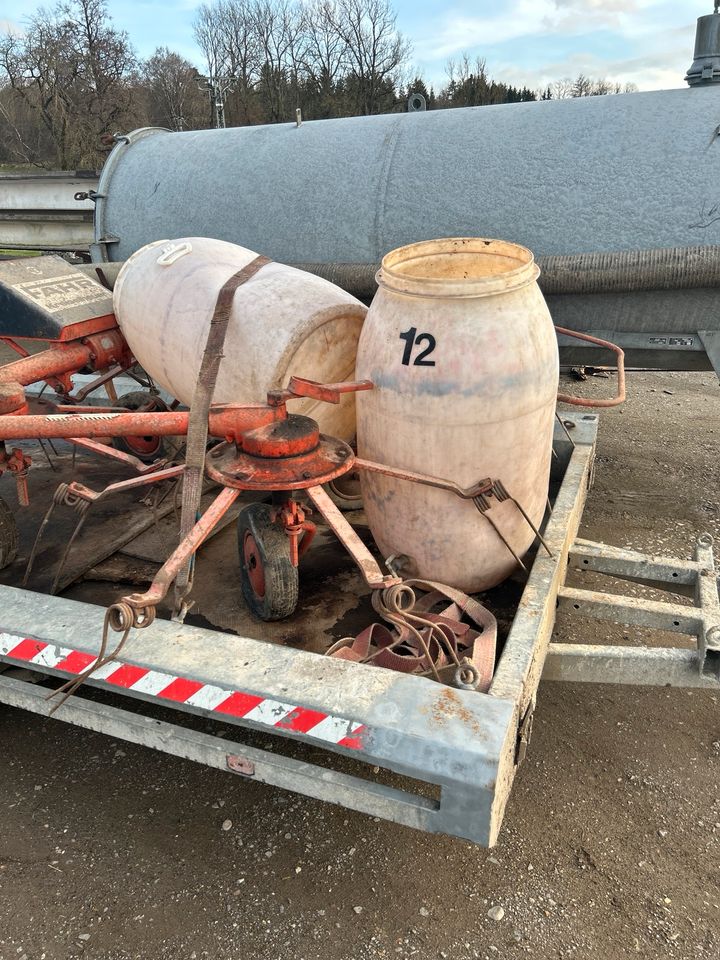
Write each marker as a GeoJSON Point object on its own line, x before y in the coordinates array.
{"type": "Point", "coordinates": [695, 578]}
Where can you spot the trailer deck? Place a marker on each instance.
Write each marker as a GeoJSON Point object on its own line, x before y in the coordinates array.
{"type": "Point", "coordinates": [296, 712]}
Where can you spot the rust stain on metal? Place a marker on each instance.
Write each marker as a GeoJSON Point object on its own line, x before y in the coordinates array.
{"type": "Point", "coordinates": [241, 765]}
{"type": "Point", "coordinates": [449, 706]}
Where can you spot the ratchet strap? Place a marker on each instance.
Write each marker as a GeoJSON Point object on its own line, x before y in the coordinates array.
{"type": "Point", "coordinates": [197, 435]}
{"type": "Point", "coordinates": [425, 642]}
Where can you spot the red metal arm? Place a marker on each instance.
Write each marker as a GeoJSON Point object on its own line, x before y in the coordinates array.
{"type": "Point", "coordinates": [99, 351]}
{"type": "Point", "coordinates": [228, 421]}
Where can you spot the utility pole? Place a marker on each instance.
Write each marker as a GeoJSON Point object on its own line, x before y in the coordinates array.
{"type": "Point", "coordinates": [218, 88]}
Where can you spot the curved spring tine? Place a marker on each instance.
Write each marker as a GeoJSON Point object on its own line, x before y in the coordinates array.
{"type": "Point", "coordinates": [36, 544]}
{"type": "Point", "coordinates": [483, 505]}
{"type": "Point", "coordinates": [562, 424]}
{"type": "Point", "coordinates": [535, 530]}
{"type": "Point", "coordinates": [498, 532]}
{"type": "Point", "coordinates": [66, 551]}
{"type": "Point", "coordinates": [501, 493]}
{"type": "Point", "coordinates": [532, 525]}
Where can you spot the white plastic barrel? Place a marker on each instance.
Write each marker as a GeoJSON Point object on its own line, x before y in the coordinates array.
{"type": "Point", "coordinates": [462, 351]}
{"type": "Point", "coordinates": [283, 322]}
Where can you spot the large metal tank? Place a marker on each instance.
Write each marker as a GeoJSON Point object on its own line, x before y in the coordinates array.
{"type": "Point", "coordinates": [633, 171]}
{"type": "Point", "coordinates": [461, 348]}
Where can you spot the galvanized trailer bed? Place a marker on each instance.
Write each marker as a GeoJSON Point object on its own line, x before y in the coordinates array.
{"type": "Point", "coordinates": [465, 745]}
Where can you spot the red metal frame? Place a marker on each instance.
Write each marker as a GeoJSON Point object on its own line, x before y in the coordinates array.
{"type": "Point", "coordinates": [55, 365]}
{"type": "Point", "coordinates": [301, 531]}
{"type": "Point", "coordinates": [17, 463]}
{"type": "Point", "coordinates": [107, 450]}
{"type": "Point", "coordinates": [102, 348]}
{"type": "Point", "coordinates": [78, 491]}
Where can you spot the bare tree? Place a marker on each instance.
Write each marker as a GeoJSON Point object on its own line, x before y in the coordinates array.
{"type": "Point", "coordinates": [583, 86]}
{"type": "Point", "coordinates": [278, 26]}
{"type": "Point", "coordinates": [22, 139]}
{"type": "Point", "coordinates": [74, 70]}
{"type": "Point", "coordinates": [336, 55]}
{"type": "Point", "coordinates": [325, 50]}
{"type": "Point", "coordinates": [375, 49]}
{"type": "Point", "coordinates": [562, 89]}
{"type": "Point", "coordinates": [209, 30]}
{"type": "Point", "coordinates": [226, 32]}
{"type": "Point", "coordinates": [174, 98]}
{"type": "Point", "coordinates": [241, 51]}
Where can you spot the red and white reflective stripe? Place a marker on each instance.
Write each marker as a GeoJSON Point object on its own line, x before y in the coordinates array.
{"type": "Point", "coordinates": [169, 687]}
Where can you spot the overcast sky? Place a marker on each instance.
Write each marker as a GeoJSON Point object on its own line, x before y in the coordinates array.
{"type": "Point", "coordinates": [532, 42]}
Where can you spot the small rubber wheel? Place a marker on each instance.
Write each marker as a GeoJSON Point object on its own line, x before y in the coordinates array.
{"type": "Point", "coordinates": [149, 448]}
{"type": "Point", "coordinates": [269, 579]}
{"type": "Point", "coordinates": [8, 535]}
{"type": "Point", "coordinates": [345, 492]}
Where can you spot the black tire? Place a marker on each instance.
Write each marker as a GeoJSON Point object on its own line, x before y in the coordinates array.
{"type": "Point", "coordinates": [345, 492]}
{"type": "Point", "coordinates": [149, 448]}
{"type": "Point", "coordinates": [8, 535]}
{"type": "Point", "coordinates": [269, 580]}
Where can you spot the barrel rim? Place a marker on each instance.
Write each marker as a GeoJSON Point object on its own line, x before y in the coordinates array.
{"type": "Point", "coordinates": [394, 279]}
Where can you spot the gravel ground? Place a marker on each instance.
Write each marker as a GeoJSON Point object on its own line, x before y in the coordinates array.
{"type": "Point", "coordinates": [611, 841]}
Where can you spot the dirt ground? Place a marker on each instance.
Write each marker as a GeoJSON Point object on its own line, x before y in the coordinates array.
{"type": "Point", "coordinates": [610, 846]}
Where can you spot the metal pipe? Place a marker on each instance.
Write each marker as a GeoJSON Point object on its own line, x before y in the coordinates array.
{"type": "Point", "coordinates": [48, 363]}
{"type": "Point", "coordinates": [629, 271]}
{"type": "Point", "coordinates": [39, 366]}
{"type": "Point", "coordinates": [98, 351]}
{"type": "Point", "coordinates": [226, 422]}
{"type": "Point", "coordinates": [361, 186]}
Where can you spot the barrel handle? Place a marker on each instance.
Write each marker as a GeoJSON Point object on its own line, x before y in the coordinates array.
{"type": "Point", "coordinates": [173, 252]}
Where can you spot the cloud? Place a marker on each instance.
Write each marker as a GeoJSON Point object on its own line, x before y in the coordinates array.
{"type": "Point", "coordinates": [456, 30]}
{"type": "Point", "coordinates": [647, 73]}
{"type": "Point", "coordinates": [534, 42]}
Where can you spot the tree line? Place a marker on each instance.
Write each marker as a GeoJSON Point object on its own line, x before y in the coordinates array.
{"type": "Point", "coordinates": [71, 80]}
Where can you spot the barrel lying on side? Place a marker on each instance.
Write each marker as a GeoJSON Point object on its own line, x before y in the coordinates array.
{"type": "Point", "coordinates": [283, 321]}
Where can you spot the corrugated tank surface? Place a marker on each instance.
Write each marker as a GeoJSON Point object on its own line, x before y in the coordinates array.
{"type": "Point", "coordinates": [635, 170]}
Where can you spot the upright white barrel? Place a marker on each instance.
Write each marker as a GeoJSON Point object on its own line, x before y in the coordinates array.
{"type": "Point", "coordinates": [461, 348]}
{"type": "Point", "coordinates": [283, 322]}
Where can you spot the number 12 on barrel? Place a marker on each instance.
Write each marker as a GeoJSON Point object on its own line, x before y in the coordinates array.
{"type": "Point", "coordinates": [414, 339]}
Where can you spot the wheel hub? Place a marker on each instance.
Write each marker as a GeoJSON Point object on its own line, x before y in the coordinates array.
{"type": "Point", "coordinates": [253, 565]}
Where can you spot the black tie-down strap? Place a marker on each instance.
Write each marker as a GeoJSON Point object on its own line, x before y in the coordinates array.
{"type": "Point", "coordinates": [197, 434]}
